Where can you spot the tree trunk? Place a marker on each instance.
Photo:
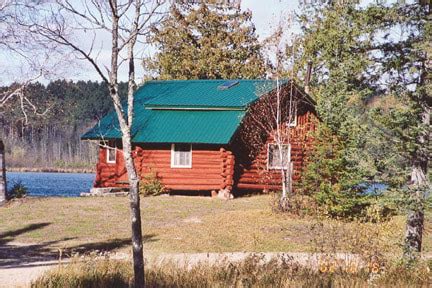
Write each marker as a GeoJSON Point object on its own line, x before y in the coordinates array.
{"type": "Point", "coordinates": [414, 232]}
{"type": "Point", "coordinates": [415, 219]}
{"type": "Point", "coordinates": [134, 199]}
{"type": "Point", "coordinates": [420, 183]}
{"type": "Point", "coordinates": [3, 187]}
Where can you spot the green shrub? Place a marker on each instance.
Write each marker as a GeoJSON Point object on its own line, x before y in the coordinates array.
{"type": "Point", "coordinates": [19, 190]}
{"type": "Point", "coordinates": [150, 185]}
{"type": "Point", "coordinates": [379, 211]}
{"type": "Point", "coordinates": [336, 178]}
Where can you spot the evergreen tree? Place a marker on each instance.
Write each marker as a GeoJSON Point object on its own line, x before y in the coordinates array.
{"type": "Point", "coordinates": [373, 86]}
{"type": "Point", "coordinates": [208, 41]}
{"type": "Point", "coordinates": [341, 165]}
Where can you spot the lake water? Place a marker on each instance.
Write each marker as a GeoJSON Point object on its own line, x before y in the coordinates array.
{"type": "Point", "coordinates": [52, 184]}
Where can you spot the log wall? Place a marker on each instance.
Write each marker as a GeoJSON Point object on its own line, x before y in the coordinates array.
{"type": "Point", "coordinates": [253, 174]}
{"type": "Point", "coordinates": [212, 168]}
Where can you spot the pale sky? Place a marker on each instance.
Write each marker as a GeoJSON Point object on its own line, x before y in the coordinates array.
{"type": "Point", "coordinates": [265, 15]}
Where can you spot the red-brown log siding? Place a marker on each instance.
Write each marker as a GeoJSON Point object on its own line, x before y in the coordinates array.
{"type": "Point", "coordinates": [253, 174]}
{"type": "Point", "coordinates": [212, 168]}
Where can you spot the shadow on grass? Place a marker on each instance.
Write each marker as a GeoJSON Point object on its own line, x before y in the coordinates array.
{"type": "Point", "coordinates": [110, 245]}
{"type": "Point", "coordinates": [4, 237]}
{"type": "Point", "coordinates": [13, 255]}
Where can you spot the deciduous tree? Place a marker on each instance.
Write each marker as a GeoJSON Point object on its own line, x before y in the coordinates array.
{"type": "Point", "coordinates": [126, 23]}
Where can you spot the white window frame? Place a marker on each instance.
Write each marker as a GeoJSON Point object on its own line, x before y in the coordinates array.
{"type": "Point", "coordinates": [173, 165]}
{"type": "Point", "coordinates": [108, 149]}
{"type": "Point", "coordinates": [268, 157]}
{"type": "Point", "coordinates": [294, 122]}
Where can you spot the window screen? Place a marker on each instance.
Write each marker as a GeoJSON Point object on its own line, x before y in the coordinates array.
{"type": "Point", "coordinates": [275, 161]}
{"type": "Point", "coordinates": [181, 155]}
{"type": "Point", "coordinates": [111, 154]}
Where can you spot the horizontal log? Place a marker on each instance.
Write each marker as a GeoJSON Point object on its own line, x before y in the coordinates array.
{"type": "Point", "coordinates": [194, 161]}
{"type": "Point", "coordinates": [191, 181]}
{"type": "Point", "coordinates": [193, 170]}
{"type": "Point", "coordinates": [194, 167]}
{"type": "Point", "coordinates": [108, 175]}
{"type": "Point", "coordinates": [200, 170]}
{"type": "Point", "coordinates": [106, 166]}
{"type": "Point", "coordinates": [250, 179]}
{"type": "Point", "coordinates": [168, 159]}
{"type": "Point", "coordinates": [254, 186]}
{"type": "Point", "coordinates": [294, 158]}
{"type": "Point", "coordinates": [193, 187]}
{"type": "Point", "coordinates": [168, 156]}
{"type": "Point", "coordinates": [189, 176]}
{"type": "Point", "coordinates": [264, 175]}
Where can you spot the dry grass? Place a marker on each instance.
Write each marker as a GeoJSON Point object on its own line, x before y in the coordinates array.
{"type": "Point", "coordinates": [171, 224]}
{"type": "Point", "coordinates": [251, 272]}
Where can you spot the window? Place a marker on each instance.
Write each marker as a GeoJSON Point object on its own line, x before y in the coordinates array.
{"type": "Point", "coordinates": [274, 160]}
{"type": "Point", "coordinates": [181, 156]}
{"type": "Point", "coordinates": [111, 153]}
{"type": "Point", "coordinates": [293, 121]}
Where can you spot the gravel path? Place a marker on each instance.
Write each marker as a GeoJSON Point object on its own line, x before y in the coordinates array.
{"type": "Point", "coordinates": [19, 265]}
{"type": "Point", "coordinates": [23, 275]}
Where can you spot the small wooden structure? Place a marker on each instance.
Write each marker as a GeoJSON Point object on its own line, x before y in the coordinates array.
{"type": "Point", "coordinates": [3, 187]}
{"type": "Point", "coordinates": [195, 135]}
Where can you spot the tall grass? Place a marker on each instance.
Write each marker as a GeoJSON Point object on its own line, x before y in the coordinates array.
{"type": "Point", "coordinates": [252, 272]}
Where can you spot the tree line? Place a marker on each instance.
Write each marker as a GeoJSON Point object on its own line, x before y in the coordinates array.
{"type": "Point", "coordinates": [193, 42]}
{"type": "Point", "coordinates": [51, 138]}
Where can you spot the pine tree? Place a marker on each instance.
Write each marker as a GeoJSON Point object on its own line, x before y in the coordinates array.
{"type": "Point", "coordinates": [206, 42]}
{"type": "Point", "coordinates": [340, 166]}
{"type": "Point", "coordinates": [374, 83]}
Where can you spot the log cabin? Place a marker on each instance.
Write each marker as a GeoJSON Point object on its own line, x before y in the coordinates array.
{"type": "Point", "coordinates": [210, 135]}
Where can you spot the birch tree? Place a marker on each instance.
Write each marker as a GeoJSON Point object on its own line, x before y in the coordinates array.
{"type": "Point", "coordinates": [126, 23]}
{"type": "Point", "coordinates": [31, 60]}
{"type": "Point", "coordinates": [23, 62]}
{"type": "Point", "coordinates": [274, 115]}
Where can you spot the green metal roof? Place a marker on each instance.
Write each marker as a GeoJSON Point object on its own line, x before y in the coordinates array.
{"type": "Point", "coordinates": [185, 111]}
{"type": "Point", "coordinates": [203, 93]}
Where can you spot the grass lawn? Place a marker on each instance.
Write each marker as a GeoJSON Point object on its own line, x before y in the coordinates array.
{"type": "Point", "coordinates": [180, 224]}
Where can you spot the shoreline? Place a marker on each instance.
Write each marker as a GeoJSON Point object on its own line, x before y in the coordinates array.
{"type": "Point", "coordinates": [50, 170]}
